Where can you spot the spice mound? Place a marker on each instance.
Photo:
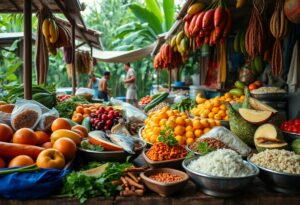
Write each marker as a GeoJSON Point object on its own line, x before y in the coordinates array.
{"type": "Point", "coordinates": [212, 144]}
{"type": "Point", "coordinates": [25, 116]}
{"type": "Point", "coordinates": [165, 177]}
{"type": "Point", "coordinates": [222, 163]}
{"type": "Point", "coordinates": [278, 160]}
{"type": "Point", "coordinates": [162, 151]}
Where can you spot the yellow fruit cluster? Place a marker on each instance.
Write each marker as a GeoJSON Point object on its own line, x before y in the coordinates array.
{"type": "Point", "coordinates": [186, 130]}
{"type": "Point", "coordinates": [214, 108]}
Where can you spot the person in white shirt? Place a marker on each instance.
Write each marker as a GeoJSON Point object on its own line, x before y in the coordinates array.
{"type": "Point", "coordinates": [131, 94]}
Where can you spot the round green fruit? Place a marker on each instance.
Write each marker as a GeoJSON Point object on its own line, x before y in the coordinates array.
{"type": "Point", "coordinates": [296, 146]}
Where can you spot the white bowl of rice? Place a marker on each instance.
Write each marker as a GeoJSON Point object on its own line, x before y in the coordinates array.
{"type": "Point", "coordinates": [221, 173]}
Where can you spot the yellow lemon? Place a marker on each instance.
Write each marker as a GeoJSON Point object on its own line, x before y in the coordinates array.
{"type": "Point", "coordinates": [198, 133]}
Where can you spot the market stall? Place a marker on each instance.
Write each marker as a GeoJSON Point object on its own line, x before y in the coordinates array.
{"type": "Point", "coordinates": [231, 148]}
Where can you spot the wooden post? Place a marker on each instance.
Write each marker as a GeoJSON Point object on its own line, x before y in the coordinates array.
{"type": "Point", "coordinates": [27, 66]}
{"type": "Point", "coordinates": [73, 58]}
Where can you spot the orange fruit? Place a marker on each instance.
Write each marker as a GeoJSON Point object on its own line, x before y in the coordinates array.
{"type": "Point", "coordinates": [42, 137]}
{"type": "Point", "coordinates": [47, 145]}
{"type": "Point", "coordinates": [6, 133]}
{"type": "Point", "coordinates": [179, 130]}
{"type": "Point", "coordinates": [206, 130]}
{"type": "Point", "coordinates": [78, 132]}
{"type": "Point", "coordinates": [204, 123]}
{"type": "Point", "coordinates": [25, 136]}
{"type": "Point", "coordinates": [21, 161]}
{"type": "Point", "coordinates": [189, 140]}
{"type": "Point", "coordinates": [86, 111]}
{"type": "Point", "coordinates": [217, 117]}
{"type": "Point", "coordinates": [2, 163]}
{"type": "Point", "coordinates": [198, 133]}
{"type": "Point", "coordinates": [66, 146]}
{"type": "Point", "coordinates": [218, 123]}
{"type": "Point", "coordinates": [78, 117]}
{"type": "Point", "coordinates": [180, 121]}
{"type": "Point", "coordinates": [211, 115]}
{"type": "Point", "coordinates": [189, 134]}
{"type": "Point", "coordinates": [188, 122]}
{"type": "Point", "coordinates": [197, 124]}
{"type": "Point", "coordinates": [189, 128]}
{"type": "Point", "coordinates": [212, 123]}
{"type": "Point", "coordinates": [215, 110]}
{"type": "Point", "coordinates": [82, 129]}
{"type": "Point", "coordinates": [79, 109]}
{"type": "Point", "coordinates": [179, 138]}
{"type": "Point", "coordinates": [162, 122]}
{"type": "Point", "coordinates": [222, 107]}
{"type": "Point", "coordinates": [61, 123]}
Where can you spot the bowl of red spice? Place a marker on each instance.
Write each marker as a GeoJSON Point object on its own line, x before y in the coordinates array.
{"type": "Point", "coordinates": [163, 155]}
{"type": "Point", "coordinates": [164, 181]}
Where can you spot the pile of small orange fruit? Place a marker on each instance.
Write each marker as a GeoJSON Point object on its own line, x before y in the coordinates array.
{"type": "Point", "coordinates": [83, 111]}
{"type": "Point", "coordinates": [186, 130]}
{"type": "Point", "coordinates": [214, 108]}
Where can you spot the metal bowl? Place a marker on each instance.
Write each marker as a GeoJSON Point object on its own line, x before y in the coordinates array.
{"type": "Point", "coordinates": [279, 181]}
{"type": "Point", "coordinates": [108, 156]}
{"type": "Point", "coordinates": [141, 137]}
{"type": "Point", "coordinates": [220, 186]}
{"type": "Point", "coordinates": [290, 136]}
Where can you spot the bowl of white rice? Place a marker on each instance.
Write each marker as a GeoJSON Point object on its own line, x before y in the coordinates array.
{"type": "Point", "coordinates": [221, 173]}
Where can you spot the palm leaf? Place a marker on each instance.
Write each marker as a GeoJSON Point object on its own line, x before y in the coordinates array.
{"type": "Point", "coordinates": [168, 6]}
{"type": "Point", "coordinates": [146, 16]}
{"type": "Point", "coordinates": [153, 6]}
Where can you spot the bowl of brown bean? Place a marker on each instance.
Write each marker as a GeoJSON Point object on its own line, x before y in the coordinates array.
{"type": "Point", "coordinates": [164, 181]}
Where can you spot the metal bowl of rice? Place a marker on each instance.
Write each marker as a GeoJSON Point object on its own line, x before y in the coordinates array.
{"type": "Point", "coordinates": [220, 186]}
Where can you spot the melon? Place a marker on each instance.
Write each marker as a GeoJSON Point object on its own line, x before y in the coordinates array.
{"type": "Point", "coordinates": [257, 105]}
{"type": "Point", "coordinates": [268, 136]}
{"type": "Point", "coordinates": [296, 146]}
{"type": "Point", "coordinates": [99, 138]}
{"type": "Point", "coordinates": [95, 172]}
{"type": "Point", "coordinates": [256, 117]}
{"type": "Point", "coordinates": [292, 10]}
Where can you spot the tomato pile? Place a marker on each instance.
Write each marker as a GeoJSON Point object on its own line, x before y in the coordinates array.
{"type": "Point", "coordinates": [145, 100]}
{"type": "Point", "coordinates": [104, 118]}
{"type": "Point", "coordinates": [62, 98]}
{"type": "Point", "coordinates": [291, 126]}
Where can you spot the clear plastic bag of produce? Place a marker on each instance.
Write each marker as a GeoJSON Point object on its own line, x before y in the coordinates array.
{"type": "Point", "coordinates": [229, 139]}
{"type": "Point", "coordinates": [131, 113]}
{"type": "Point", "coordinates": [46, 120]}
{"type": "Point", "coordinates": [5, 117]}
{"type": "Point", "coordinates": [87, 93]}
{"type": "Point", "coordinates": [27, 113]}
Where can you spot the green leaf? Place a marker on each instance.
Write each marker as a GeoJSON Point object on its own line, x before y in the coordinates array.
{"type": "Point", "coordinates": [146, 16]}
{"type": "Point", "coordinates": [153, 6]}
{"type": "Point", "coordinates": [168, 6]}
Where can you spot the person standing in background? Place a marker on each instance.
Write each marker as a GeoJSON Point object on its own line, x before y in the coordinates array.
{"type": "Point", "coordinates": [94, 84]}
{"type": "Point", "coordinates": [103, 86]}
{"type": "Point", "coordinates": [131, 94]}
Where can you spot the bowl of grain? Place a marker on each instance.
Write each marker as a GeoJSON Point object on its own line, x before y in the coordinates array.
{"type": "Point", "coordinates": [220, 173]}
{"type": "Point", "coordinates": [164, 181]}
{"type": "Point", "coordinates": [279, 169]}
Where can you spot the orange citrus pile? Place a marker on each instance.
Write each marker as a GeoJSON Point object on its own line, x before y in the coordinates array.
{"type": "Point", "coordinates": [186, 130]}
{"type": "Point", "coordinates": [214, 108]}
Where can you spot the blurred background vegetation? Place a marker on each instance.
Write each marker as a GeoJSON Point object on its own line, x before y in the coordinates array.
{"type": "Point", "coordinates": [125, 24]}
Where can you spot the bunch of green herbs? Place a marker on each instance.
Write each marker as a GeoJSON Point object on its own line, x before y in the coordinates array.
{"type": "Point", "coordinates": [167, 136]}
{"type": "Point", "coordinates": [82, 187]}
{"type": "Point", "coordinates": [86, 145]}
{"type": "Point", "coordinates": [184, 105]}
{"type": "Point", "coordinates": [67, 107]}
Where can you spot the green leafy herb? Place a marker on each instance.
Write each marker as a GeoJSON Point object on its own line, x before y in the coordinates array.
{"type": "Point", "coordinates": [167, 136]}
{"type": "Point", "coordinates": [189, 155]}
{"type": "Point", "coordinates": [86, 145]}
{"type": "Point", "coordinates": [82, 187]}
{"type": "Point", "coordinates": [204, 148]}
{"type": "Point", "coordinates": [184, 105]}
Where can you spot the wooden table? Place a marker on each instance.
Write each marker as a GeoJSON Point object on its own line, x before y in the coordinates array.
{"type": "Point", "coordinates": [256, 194]}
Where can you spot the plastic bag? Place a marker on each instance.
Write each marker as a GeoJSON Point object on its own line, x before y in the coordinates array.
{"type": "Point", "coordinates": [5, 117]}
{"type": "Point", "coordinates": [31, 185]}
{"type": "Point", "coordinates": [25, 114]}
{"type": "Point", "coordinates": [131, 113]}
{"type": "Point", "coordinates": [46, 120]}
{"type": "Point", "coordinates": [87, 93]}
{"type": "Point", "coordinates": [229, 139]}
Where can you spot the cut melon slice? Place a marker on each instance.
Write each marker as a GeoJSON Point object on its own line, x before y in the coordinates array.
{"type": "Point", "coordinates": [255, 116]}
{"type": "Point", "coordinates": [257, 105]}
{"type": "Point", "coordinates": [268, 136]}
{"type": "Point", "coordinates": [99, 138]}
{"type": "Point", "coordinates": [95, 172]}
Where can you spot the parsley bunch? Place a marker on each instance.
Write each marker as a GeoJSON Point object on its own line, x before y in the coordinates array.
{"type": "Point", "coordinates": [167, 136]}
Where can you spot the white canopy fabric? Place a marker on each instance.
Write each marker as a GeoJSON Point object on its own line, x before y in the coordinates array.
{"type": "Point", "coordinates": [123, 56]}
